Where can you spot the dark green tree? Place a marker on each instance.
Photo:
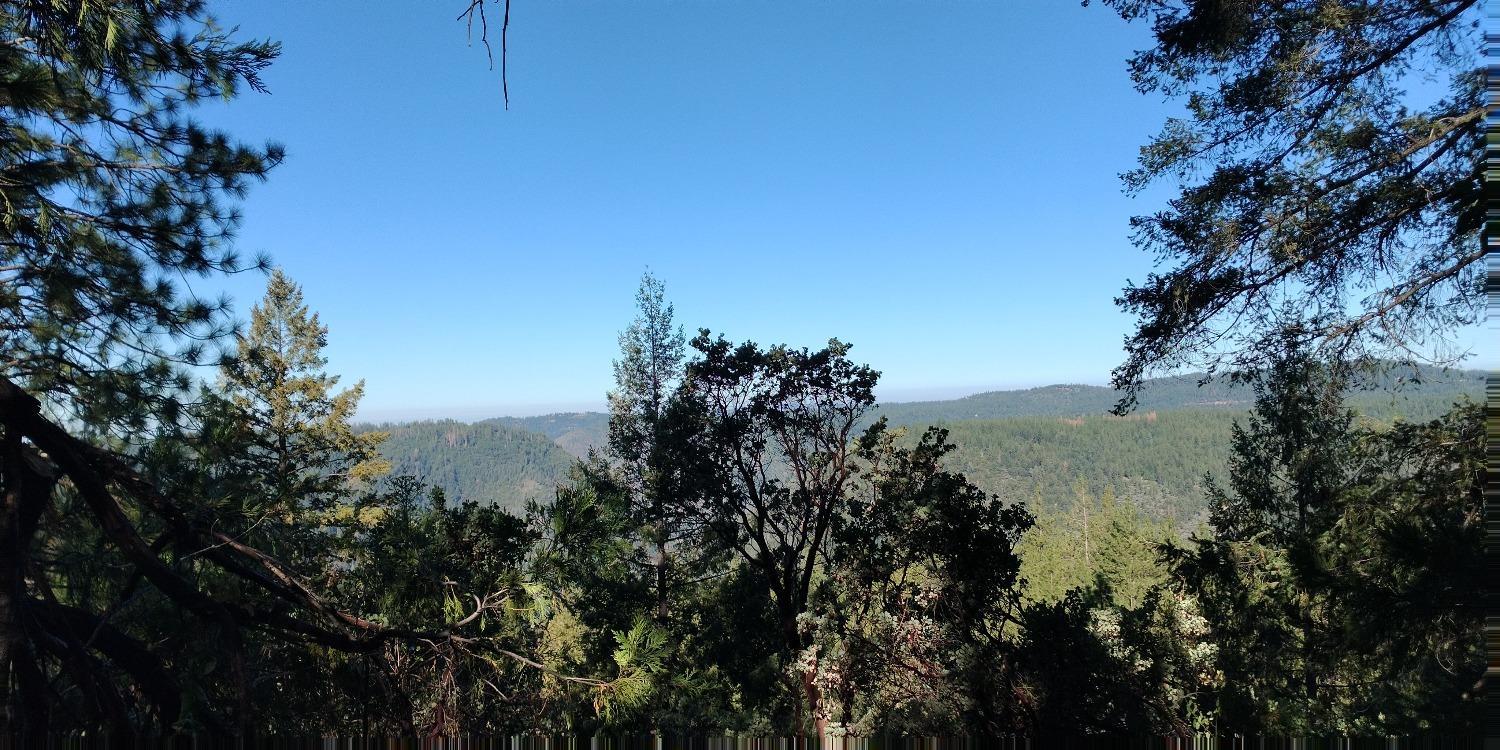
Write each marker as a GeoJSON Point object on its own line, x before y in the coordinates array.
{"type": "Point", "coordinates": [915, 616]}
{"type": "Point", "coordinates": [109, 192]}
{"type": "Point", "coordinates": [1259, 577]}
{"type": "Point", "coordinates": [1329, 584]}
{"type": "Point", "coordinates": [647, 373]}
{"type": "Point", "coordinates": [418, 561]}
{"type": "Point", "coordinates": [768, 438]}
{"type": "Point", "coordinates": [1325, 183]}
{"type": "Point", "coordinates": [1404, 558]}
{"type": "Point", "coordinates": [113, 195]}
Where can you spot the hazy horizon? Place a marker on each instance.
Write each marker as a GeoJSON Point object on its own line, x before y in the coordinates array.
{"type": "Point", "coordinates": [522, 409]}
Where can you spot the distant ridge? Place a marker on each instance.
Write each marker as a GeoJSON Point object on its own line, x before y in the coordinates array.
{"type": "Point", "coordinates": [487, 462]}
{"type": "Point", "coordinates": [509, 460]}
{"type": "Point", "coordinates": [576, 432]}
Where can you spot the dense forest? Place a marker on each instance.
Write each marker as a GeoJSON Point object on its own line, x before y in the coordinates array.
{"type": "Point", "coordinates": [486, 462]}
{"type": "Point", "coordinates": [1388, 393]}
{"type": "Point", "coordinates": [1051, 437]}
{"type": "Point", "coordinates": [197, 538]}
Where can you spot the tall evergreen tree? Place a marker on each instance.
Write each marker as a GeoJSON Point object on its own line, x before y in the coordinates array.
{"type": "Point", "coordinates": [299, 440]}
{"type": "Point", "coordinates": [647, 373]}
{"type": "Point", "coordinates": [1330, 582]}
{"type": "Point", "coordinates": [1320, 184]}
{"type": "Point", "coordinates": [1259, 577]}
{"type": "Point", "coordinates": [109, 192]}
{"type": "Point", "coordinates": [113, 195]}
{"type": "Point", "coordinates": [112, 199]}
{"type": "Point", "coordinates": [1099, 542]}
{"type": "Point", "coordinates": [1129, 550]}
{"type": "Point", "coordinates": [1404, 558]}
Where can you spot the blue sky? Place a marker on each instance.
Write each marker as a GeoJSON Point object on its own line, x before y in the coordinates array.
{"type": "Point", "coordinates": [935, 182]}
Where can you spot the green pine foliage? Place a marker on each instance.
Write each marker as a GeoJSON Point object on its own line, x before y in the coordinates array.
{"type": "Point", "coordinates": [753, 547]}
{"type": "Point", "coordinates": [1331, 583]}
{"type": "Point", "coordinates": [1096, 542]}
{"type": "Point", "coordinates": [1317, 186]}
{"type": "Point", "coordinates": [300, 441]}
{"type": "Point", "coordinates": [113, 197]}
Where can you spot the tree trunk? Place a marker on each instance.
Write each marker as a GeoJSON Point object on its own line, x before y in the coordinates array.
{"type": "Point", "coordinates": [809, 687]}
{"type": "Point", "coordinates": [814, 701]}
{"type": "Point", "coordinates": [659, 529]}
{"type": "Point", "coordinates": [661, 583]}
{"type": "Point", "coordinates": [25, 488]}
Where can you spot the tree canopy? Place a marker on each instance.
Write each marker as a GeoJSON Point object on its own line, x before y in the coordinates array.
{"type": "Point", "coordinates": [1329, 161]}
{"type": "Point", "coordinates": [114, 196]}
{"type": "Point", "coordinates": [755, 549]}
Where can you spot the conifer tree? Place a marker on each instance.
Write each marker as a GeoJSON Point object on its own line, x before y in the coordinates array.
{"type": "Point", "coordinates": [1332, 583]}
{"type": "Point", "coordinates": [1129, 549]}
{"type": "Point", "coordinates": [112, 200]}
{"type": "Point", "coordinates": [1318, 186]}
{"type": "Point", "coordinates": [1099, 542]}
{"type": "Point", "coordinates": [1403, 559]}
{"type": "Point", "coordinates": [649, 368]}
{"type": "Point", "coordinates": [300, 443]}
{"type": "Point", "coordinates": [110, 194]}
{"type": "Point", "coordinates": [1260, 578]}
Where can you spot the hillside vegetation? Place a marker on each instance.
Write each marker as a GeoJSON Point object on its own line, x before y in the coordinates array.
{"type": "Point", "coordinates": [487, 462]}
{"type": "Point", "coordinates": [1025, 445]}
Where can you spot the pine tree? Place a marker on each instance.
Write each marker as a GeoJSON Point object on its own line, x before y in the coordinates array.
{"type": "Point", "coordinates": [1316, 185]}
{"type": "Point", "coordinates": [1128, 557]}
{"type": "Point", "coordinates": [110, 193]}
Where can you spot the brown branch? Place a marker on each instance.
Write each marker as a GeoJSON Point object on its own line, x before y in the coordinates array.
{"type": "Point", "coordinates": [468, 16]}
{"type": "Point", "coordinates": [92, 470]}
{"type": "Point", "coordinates": [151, 675]}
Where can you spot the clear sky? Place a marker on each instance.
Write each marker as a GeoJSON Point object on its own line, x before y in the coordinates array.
{"type": "Point", "coordinates": [934, 182]}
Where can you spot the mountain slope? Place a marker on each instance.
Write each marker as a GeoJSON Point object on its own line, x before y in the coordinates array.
{"type": "Point", "coordinates": [577, 432]}
{"type": "Point", "coordinates": [1409, 399]}
{"type": "Point", "coordinates": [1029, 445]}
{"type": "Point", "coordinates": [486, 462]}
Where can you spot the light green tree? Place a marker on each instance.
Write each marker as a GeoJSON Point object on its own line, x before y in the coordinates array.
{"type": "Point", "coordinates": [299, 440]}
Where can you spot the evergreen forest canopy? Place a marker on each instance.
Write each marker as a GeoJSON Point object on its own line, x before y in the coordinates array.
{"type": "Point", "coordinates": [755, 546]}
{"type": "Point", "coordinates": [1028, 445]}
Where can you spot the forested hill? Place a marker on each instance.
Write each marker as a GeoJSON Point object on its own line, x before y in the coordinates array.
{"type": "Point", "coordinates": [1406, 398]}
{"type": "Point", "coordinates": [488, 462]}
{"type": "Point", "coordinates": [1030, 445]}
{"type": "Point", "coordinates": [576, 432]}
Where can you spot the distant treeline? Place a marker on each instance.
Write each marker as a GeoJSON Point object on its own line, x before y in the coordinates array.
{"type": "Point", "coordinates": [1029, 445]}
